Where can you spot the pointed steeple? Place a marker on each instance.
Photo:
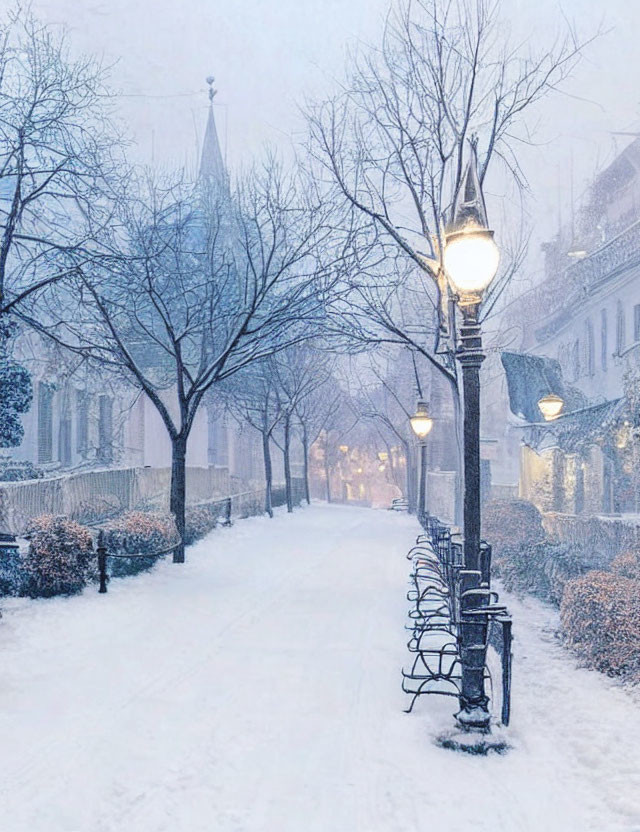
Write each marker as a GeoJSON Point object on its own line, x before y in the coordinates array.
{"type": "Point", "coordinates": [211, 163]}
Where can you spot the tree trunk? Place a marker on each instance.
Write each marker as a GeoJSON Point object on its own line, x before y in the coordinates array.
{"type": "Point", "coordinates": [178, 496]}
{"type": "Point", "coordinates": [286, 451]}
{"type": "Point", "coordinates": [305, 464]}
{"type": "Point", "coordinates": [268, 474]}
{"type": "Point", "coordinates": [326, 469]}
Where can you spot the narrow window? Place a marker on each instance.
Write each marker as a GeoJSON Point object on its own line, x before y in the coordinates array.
{"type": "Point", "coordinates": [620, 330]}
{"type": "Point", "coordinates": [604, 340]}
{"type": "Point", "coordinates": [105, 429]}
{"type": "Point", "coordinates": [636, 323]}
{"type": "Point", "coordinates": [45, 422]}
{"type": "Point", "coordinates": [64, 429]}
{"type": "Point", "coordinates": [576, 360]}
{"type": "Point", "coordinates": [591, 352]}
{"type": "Point", "coordinates": [82, 422]}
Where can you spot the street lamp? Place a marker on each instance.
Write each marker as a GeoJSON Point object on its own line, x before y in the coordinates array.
{"type": "Point", "coordinates": [470, 261]}
{"type": "Point", "coordinates": [421, 424]}
{"type": "Point", "coordinates": [551, 406]}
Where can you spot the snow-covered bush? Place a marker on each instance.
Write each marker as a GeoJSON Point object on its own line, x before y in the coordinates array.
{"type": "Point", "coordinates": [138, 532]}
{"type": "Point", "coordinates": [541, 569]}
{"type": "Point", "coordinates": [12, 470]}
{"type": "Point", "coordinates": [600, 616]}
{"type": "Point", "coordinates": [60, 558]}
{"type": "Point", "coordinates": [511, 523]}
{"type": "Point", "coordinates": [200, 520]}
{"type": "Point", "coordinates": [627, 565]}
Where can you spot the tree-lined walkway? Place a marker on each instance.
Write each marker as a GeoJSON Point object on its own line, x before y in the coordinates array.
{"type": "Point", "coordinates": [257, 687]}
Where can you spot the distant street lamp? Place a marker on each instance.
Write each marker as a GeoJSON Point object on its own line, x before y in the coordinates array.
{"type": "Point", "coordinates": [471, 260]}
{"type": "Point", "coordinates": [421, 424]}
{"type": "Point", "coordinates": [551, 406]}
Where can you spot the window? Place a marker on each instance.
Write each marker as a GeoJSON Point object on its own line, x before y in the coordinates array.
{"type": "Point", "coordinates": [105, 429]}
{"type": "Point", "coordinates": [591, 351]}
{"type": "Point", "coordinates": [218, 440]}
{"type": "Point", "coordinates": [620, 329]}
{"type": "Point", "coordinates": [45, 422]}
{"type": "Point", "coordinates": [64, 429]}
{"type": "Point", "coordinates": [82, 422]}
{"type": "Point", "coordinates": [575, 360]}
{"type": "Point", "coordinates": [636, 323]}
{"type": "Point", "coordinates": [603, 340]}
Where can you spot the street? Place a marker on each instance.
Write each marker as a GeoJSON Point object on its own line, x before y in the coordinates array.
{"type": "Point", "coordinates": [256, 688]}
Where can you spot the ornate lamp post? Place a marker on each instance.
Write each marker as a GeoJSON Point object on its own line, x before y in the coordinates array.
{"type": "Point", "coordinates": [471, 260]}
{"type": "Point", "coordinates": [421, 424]}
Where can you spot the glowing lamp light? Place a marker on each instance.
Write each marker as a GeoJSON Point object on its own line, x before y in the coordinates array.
{"type": "Point", "coordinates": [551, 406]}
{"type": "Point", "coordinates": [471, 259]}
{"type": "Point", "coordinates": [344, 448]}
{"type": "Point", "coordinates": [421, 422]}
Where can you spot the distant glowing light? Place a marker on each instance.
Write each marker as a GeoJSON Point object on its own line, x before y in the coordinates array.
{"type": "Point", "coordinates": [421, 422]}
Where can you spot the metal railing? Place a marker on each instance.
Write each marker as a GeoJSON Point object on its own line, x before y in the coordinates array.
{"type": "Point", "coordinates": [441, 604]}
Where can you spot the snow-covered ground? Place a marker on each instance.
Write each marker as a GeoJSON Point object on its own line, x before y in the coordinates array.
{"type": "Point", "coordinates": [257, 689]}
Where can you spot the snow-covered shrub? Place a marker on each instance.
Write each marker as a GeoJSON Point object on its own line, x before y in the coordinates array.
{"type": "Point", "coordinates": [200, 520]}
{"type": "Point", "coordinates": [11, 573]}
{"type": "Point", "coordinates": [541, 569]}
{"type": "Point", "coordinates": [600, 616]}
{"type": "Point", "coordinates": [60, 557]}
{"type": "Point", "coordinates": [12, 470]}
{"type": "Point", "coordinates": [627, 565]}
{"type": "Point", "coordinates": [511, 523]}
{"type": "Point", "coordinates": [138, 532]}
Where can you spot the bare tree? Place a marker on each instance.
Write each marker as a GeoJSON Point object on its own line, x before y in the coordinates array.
{"type": "Point", "coordinates": [298, 372]}
{"type": "Point", "coordinates": [384, 395]}
{"type": "Point", "coordinates": [391, 146]}
{"type": "Point", "coordinates": [197, 287]}
{"type": "Point", "coordinates": [59, 153]}
{"type": "Point", "coordinates": [251, 398]}
{"type": "Point", "coordinates": [316, 413]}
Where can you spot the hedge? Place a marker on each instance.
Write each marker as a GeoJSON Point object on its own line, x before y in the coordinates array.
{"type": "Point", "coordinates": [138, 532]}
{"type": "Point", "coordinates": [600, 615]}
{"type": "Point", "coordinates": [59, 560]}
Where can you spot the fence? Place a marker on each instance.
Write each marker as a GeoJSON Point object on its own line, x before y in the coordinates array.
{"type": "Point", "coordinates": [90, 496]}
{"type": "Point", "coordinates": [601, 538]}
{"type": "Point", "coordinates": [124, 562]}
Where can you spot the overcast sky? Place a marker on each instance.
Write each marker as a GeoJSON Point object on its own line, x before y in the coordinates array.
{"type": "Point", "coordinates": [267, 54]}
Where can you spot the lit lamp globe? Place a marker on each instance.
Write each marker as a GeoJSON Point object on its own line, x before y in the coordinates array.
{"type": "Point", "coordinates": [471, 259]}
{"type": "Point", "coordinates": [551, 406]}
{"type": "Point", "coordinates": [421, 422]}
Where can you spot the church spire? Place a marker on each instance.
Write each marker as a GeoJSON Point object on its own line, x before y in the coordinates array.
{"type": "Point", "coordinates": [211, 163]}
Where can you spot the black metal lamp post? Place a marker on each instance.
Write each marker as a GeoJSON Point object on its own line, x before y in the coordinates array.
{"type": "Point", "coordinates": [471, 260]}
{"type": "Point", "coordinates": [421, 424]}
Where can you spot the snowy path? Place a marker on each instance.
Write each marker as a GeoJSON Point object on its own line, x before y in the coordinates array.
{"type": "Point", "coordinates": [257, 689]}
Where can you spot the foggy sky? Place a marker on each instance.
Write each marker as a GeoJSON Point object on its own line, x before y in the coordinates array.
{"type": "Point", "coordinates": [267, 54]}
